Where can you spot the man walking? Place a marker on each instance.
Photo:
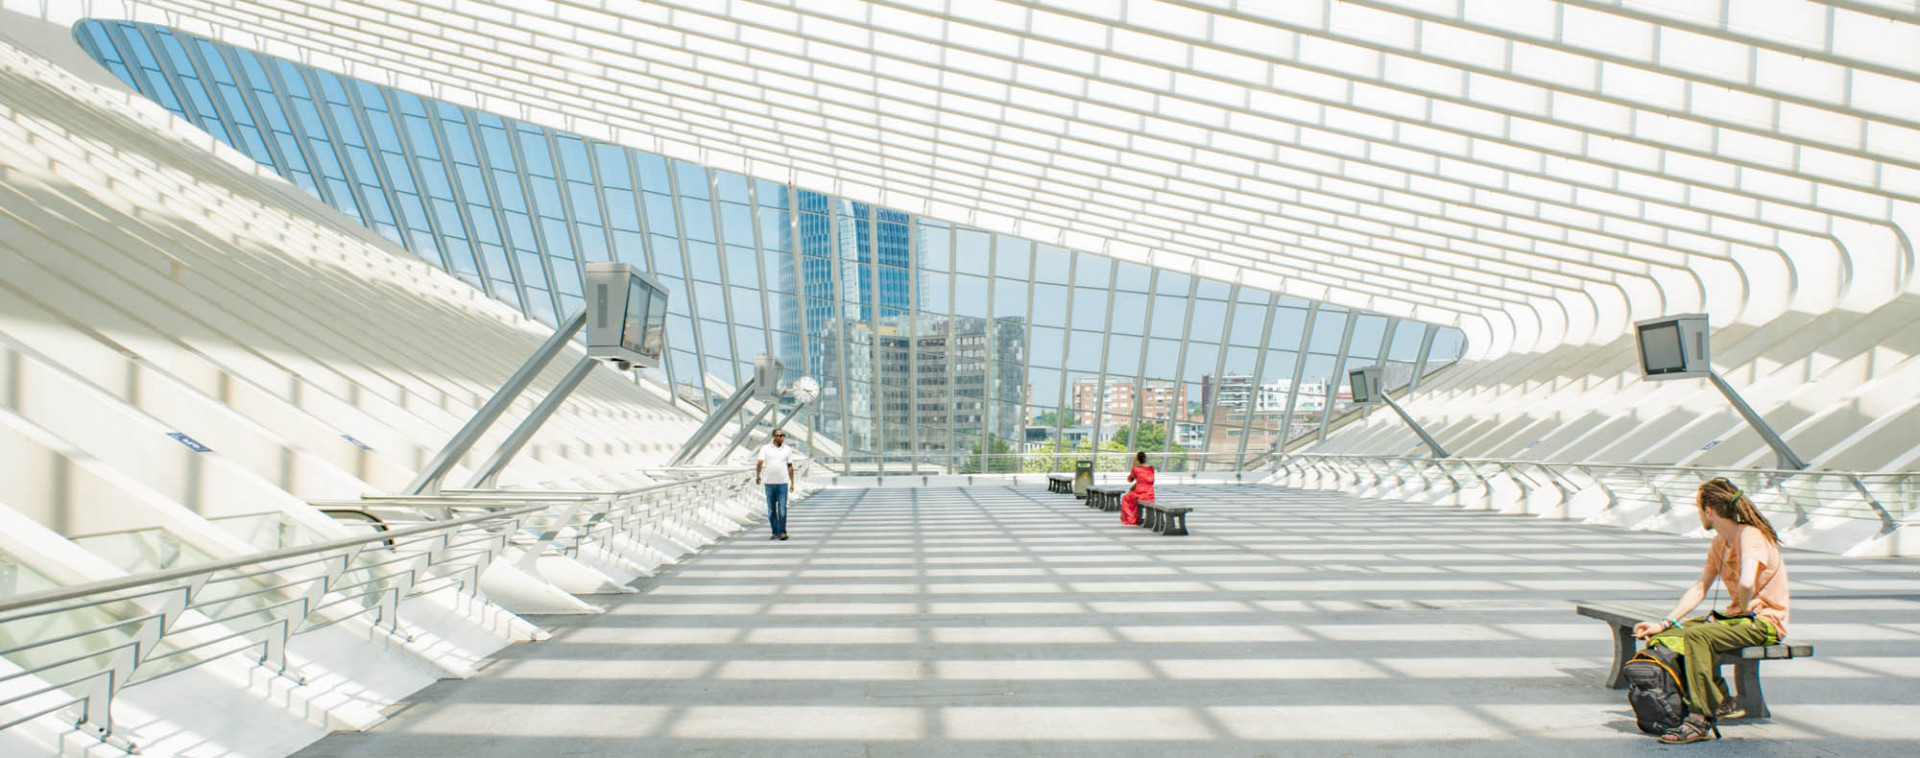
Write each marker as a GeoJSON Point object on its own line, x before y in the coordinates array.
{"type": "Point", "coordinates": [773, 467]}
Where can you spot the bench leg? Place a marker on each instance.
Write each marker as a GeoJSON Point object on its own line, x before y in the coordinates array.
{"type": "Point", "coordinates": [1176, 525]}
{"type": "Point", "coordinates": [1746, 687]}
{"type": "Point", "coordinates": [1624, 646]}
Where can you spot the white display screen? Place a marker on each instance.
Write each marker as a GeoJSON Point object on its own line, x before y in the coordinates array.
{"type": "Point", "coordinates": [1660, 349]}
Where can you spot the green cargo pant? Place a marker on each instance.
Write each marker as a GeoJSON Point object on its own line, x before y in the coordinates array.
{"type": "Point", "coordinates": [1702, 641]}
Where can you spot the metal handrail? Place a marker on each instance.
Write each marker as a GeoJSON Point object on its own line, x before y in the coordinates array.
{"type": "Point", "coordinates": [133, 624]}
{"type": "Point", "coordinates": [58, 594]}
{"type": "Point", "coordinates": [941, 464]}
{"type": "Point", "coordinates": [507, 493]}
{"type": "Point", "coordinates": [166, 622]}
{"type": "Point", "coordinates": [1606, 464]}
{"type": "Point", "coordinates": [1883, 492]}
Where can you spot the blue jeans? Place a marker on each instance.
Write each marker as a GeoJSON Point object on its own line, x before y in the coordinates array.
{"type": "Point", "coordinates": [777, 508]}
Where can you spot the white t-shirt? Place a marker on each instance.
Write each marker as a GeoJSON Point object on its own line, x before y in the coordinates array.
{"type": "Point", "coordinates": [775, 458]}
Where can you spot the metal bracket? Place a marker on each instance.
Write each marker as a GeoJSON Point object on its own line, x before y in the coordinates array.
{"type": "Point", "coordinates": [428, 482]}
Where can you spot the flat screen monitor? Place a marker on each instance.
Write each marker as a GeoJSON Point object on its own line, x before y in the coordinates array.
{"type": "Point", "coordinates": [1364, 385]}
{"type": "Point", "coordinates": [1674, 347]}
{"type": "Point", "coordinates": [626, 316]}
{"type": "Point", "coordinates": [1660, 351]}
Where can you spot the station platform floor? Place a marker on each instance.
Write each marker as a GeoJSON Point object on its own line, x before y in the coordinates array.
{"type": "Point", "coordinates": [994, 620]}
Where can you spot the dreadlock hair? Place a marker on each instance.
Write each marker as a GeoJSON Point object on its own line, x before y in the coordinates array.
{"type": "Point", "coordinates": [1722, 497]}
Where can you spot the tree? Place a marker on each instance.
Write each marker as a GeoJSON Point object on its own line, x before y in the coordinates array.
{"type": "Point", "coordinates": [1049, 418]}
{"type": "Point", "coordinates": [1152, 439]}
{"type": "Point", "coordinates": [997, 462]}
{"type": "Point", "coordinates": [1058, 456]}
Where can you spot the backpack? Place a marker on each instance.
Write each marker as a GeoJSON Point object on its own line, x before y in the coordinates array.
{"type": "Point", "coordinates": [1655, 689]}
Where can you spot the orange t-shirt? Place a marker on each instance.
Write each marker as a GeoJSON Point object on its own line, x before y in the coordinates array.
{"type": "Point", "coordinates": [1770, 596]}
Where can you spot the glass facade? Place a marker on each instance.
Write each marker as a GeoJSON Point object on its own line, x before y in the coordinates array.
{"type": "Point", "coordinates": [931, 342]}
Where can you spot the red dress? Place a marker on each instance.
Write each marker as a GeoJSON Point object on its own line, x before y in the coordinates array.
{"type": "Point", "coordinates": [1142, 478]}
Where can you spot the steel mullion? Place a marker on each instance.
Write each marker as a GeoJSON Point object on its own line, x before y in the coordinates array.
{"type": "Point", "coordinates": [913, 343]}
{"type": "Point", "coordinates": [419, 187]}
{"type": "Point", "coordinates": [540, 247]}
{"type": "Point", "coordinates": [1339, 367]}
{"type": "Point", "coordinates": [1259, 372]}
{"type": "Point", "coordinates": [494, 204]}
{"type": "Point", "coordinates": [1146, 345]}
{"type": "Point", "coordinates": [767, 293]}
{"type": "Point", "coordinates": [1106, 343]}
{"type": "Point", "coordinates": [1066, 349]}
{"type": "Point", "coordinates": [459, 196]}
{"type": "Point", "coordinates": [688, 281]}
{"type": "Point", "coordinates": [800, 306]}
{"type": "Point", "coordinates": [878, 404]}
{"type": "Point", "coordinates": [1420, 362]}
{"type": "Point", "coordinates": [953, 389]}
{"type": "Point", "coordinates": [567, 216]}
{"type": "Point", "coordinates": [726, 289]}
{"type": "Point", "coordinates": [837, 312]}
{"type": "Point", "coordinates": [1219, 369]}
{"type": "Point", "coordinates": [1180, 364]}
{"type": "Point", "coordinates": [1299, 369]}
{"type": "Point", "coordinates": [645, 228]}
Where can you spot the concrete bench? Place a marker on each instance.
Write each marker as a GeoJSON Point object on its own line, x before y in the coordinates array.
{"type": "Point", "coordinates": [1060, 483]}
{"type": "Point", "coordinates": [1170, 520]}
{"type": "Point", "coordinates": [1745, 661]}
{"type": "Point", "coordinates": [1105, 498]}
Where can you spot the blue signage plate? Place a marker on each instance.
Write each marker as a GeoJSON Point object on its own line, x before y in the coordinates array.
{"type": "Point", "coordinates": [190, 442]}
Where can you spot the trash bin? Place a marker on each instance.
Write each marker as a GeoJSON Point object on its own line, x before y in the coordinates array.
{"type": "Point", "coordinates": [1082, 477]}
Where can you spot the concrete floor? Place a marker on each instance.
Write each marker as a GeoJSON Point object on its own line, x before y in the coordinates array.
{"type": "Point", "coordinates": [1009, 621]}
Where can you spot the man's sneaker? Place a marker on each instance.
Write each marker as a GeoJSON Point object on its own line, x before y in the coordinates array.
{"type": "Point", "coordinates": [1729, 709]}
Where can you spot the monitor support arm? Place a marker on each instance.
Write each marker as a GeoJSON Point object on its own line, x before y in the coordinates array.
{"type": "Point", "coordinates": [1787, 458]}
{"type": "Point", "coordinates": [489, 474]}
{"type": "Point", "coordinates": [428, 481]}
{"type": "Point", "coordinates": [1438, 451]}
{"type": "Point", "coordinates": [749, 429]}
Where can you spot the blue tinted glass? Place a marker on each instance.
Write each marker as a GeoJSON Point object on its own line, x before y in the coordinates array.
{"type": "Point", "coordinates": [660, 214]}
{"type": "Point", "coordinates": [533, 149]}
{"type": "Point", "coordinates": [1328, 325]}
{"type": "Point", "coordinates": [691, 180]}
{"type": "Point", "coordinates": [653, 173]}
{"type": "Point", "coordinates": [612, 162]}
{"type": "Point", "coordinates": [573, 158]}
{"type": "Point", "coordinates": [770, 194]}
{"type": "Point", "coordinates": [733, 187]}
{"type": "Point", "coordinates": [697, 219]}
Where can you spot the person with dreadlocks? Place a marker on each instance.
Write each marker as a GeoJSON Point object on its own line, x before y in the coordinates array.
{"type": "Point", "coordinates": [1745, 558]}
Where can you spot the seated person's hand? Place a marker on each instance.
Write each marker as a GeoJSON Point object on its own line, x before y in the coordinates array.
{"type": "Point", "coordinates": [1645, 629]}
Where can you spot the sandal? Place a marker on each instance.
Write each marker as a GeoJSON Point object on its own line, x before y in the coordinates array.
{"type": "Point", "coordinates": [1694, 729]}
{"type": "Point", "coordinates": [1729, 709]}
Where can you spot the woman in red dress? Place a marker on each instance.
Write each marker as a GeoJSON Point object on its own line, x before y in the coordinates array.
{"type": "Point", "coordinates": [1142, 478]}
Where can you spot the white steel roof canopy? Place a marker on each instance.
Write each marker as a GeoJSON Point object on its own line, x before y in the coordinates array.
{"type": "Point", "coordinates": [1534, 172]}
